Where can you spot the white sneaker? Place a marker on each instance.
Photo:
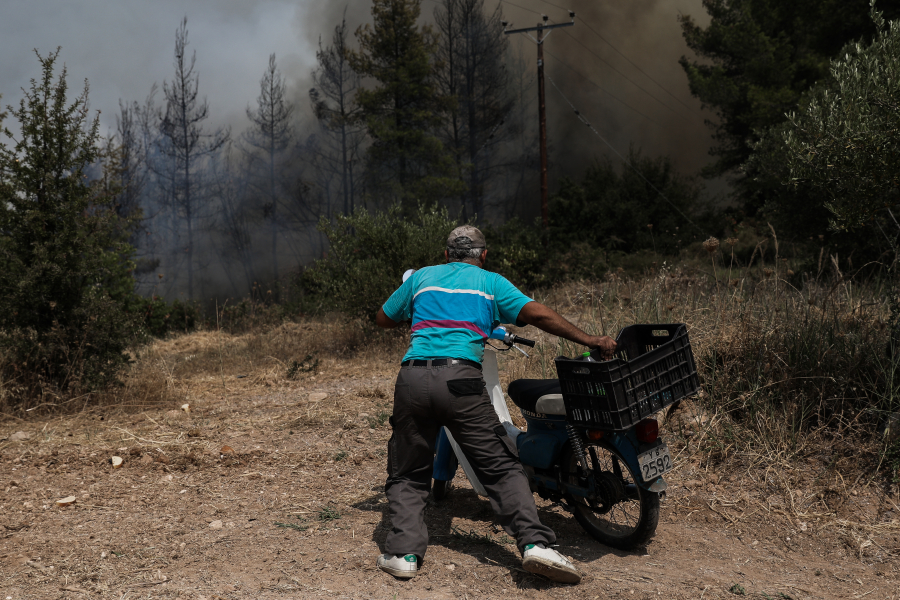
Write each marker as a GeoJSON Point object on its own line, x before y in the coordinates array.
{"type": "Point", "coordinates": [404, 567]}
{"type": "Point", "coordinates": [551, 564]}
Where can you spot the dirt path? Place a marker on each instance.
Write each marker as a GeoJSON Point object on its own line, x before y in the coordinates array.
{"type": "Point", "coordinates": [278, 494]}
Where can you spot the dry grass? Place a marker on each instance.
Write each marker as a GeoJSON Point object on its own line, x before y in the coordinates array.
{"type": "Point", "coordinates": [796, 382]}
{"type": "Point", "coordinates": [778, 417]}
{"type": "Point", "coordinates": [785, 368]}
{"type": "Point", "coordinates": [782, 366]}
{"type": "Point", "coordinates": [288, 355]}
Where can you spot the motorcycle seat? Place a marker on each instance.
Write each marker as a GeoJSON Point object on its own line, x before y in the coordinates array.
{"type": "Point", "coordinates": [537, 396]}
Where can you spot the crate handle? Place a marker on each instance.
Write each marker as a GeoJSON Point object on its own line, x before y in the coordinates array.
{"type": "Point", "coordinates": [660, 333]}
{"type": "Point", "coordinates": [581, 371]}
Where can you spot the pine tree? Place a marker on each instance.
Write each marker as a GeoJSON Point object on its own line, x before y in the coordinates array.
{"type": "Point", "coordinates": [186, 144]}
{"type": "Point", "coordinates": [336, 84]}
{"type": "Point", "coordinates": [65, 280]}
{"type": "Point", "coordinates": [406, 163]}
{"type": "Point", "coordinates": [472, 53]}
{"type": "Point", "coordinates": [270, 135]}
{"type": "Point", "coordinates": [755, 59]}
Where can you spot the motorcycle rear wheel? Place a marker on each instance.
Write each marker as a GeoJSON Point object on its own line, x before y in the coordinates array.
{"type": "Point", "coordinates": [626, 515]}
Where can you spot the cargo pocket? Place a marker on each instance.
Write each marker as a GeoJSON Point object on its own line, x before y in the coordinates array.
{"type": "Point", "coordinates": [510, 446]}
{"type": "Point", "coordinates": [401, 394]}
{"type": "Point", "coordinates": [391, 452]}
{"type": "Point", "coordinates": [469, 386]}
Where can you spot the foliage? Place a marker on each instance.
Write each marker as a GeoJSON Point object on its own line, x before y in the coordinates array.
{"type": "Point", "coordinates": [620, 212]}
{"type": "Point", "coordinates": [370, 252]}
{"type": "Point", "coordinates": [515, 250]}
{"type": "Point", "coordinates": [609, 219]}
{"type": "Point", "coordinates": [65, 280]}
{"type": "Point", "coordinates": [406, 162]}
{"type": "Point", "coordinates": [160, 318]}
{"type": "Point", "coordinates": [797, 209]}
{"type": "Point", "coordinates": [755, 59]}
{"type": "Point", "coordinates": [185, 144]}
{"type": "Point", "coordinates": [845, 143]}
{"type": "Point", "coordinates": [471, 52]}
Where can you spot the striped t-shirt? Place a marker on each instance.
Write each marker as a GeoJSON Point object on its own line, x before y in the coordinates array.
{"type": "Point", "coordinates": [454, 308]}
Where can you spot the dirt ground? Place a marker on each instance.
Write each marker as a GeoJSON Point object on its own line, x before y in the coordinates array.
{"type": "Point", "coordinates": [274, 489]}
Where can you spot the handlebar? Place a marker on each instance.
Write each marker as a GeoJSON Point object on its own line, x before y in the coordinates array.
{"type": "Point", "coordinates": [510, 338]}
{"type": "Point", "coordinates": [520, 340]}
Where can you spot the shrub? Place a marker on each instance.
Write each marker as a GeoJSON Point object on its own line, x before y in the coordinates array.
{"type": "Point", "coordinates": [160, 318]}
{"type": "Point", "coordinates": [370, 252]}
{"type": "Point", "coordinates": [621, 212]}
{"type": "Point", "coordinates": [64, 258]}
{"type": "Point", "coordinates": [516, 251]}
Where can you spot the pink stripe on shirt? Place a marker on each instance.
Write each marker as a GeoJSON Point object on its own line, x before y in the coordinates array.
{"type": "Point", "coordinates": [446, 324]}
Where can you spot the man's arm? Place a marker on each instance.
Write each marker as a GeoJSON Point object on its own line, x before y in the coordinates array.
{"type": "Point", "coordinates": [382, 320]}
{"type": "Point", "coordinates": [547, 319]}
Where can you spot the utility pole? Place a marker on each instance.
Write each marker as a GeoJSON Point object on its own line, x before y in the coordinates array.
{"type": "Point", "coordinates": [542, 106]}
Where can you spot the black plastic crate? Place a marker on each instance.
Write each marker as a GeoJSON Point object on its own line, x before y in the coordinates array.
{"type": "Point", "coordinates": [654, 367]}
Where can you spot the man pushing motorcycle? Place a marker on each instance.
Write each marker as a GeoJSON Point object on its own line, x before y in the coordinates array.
{"type": "Point", "coordinates": [453, 308]}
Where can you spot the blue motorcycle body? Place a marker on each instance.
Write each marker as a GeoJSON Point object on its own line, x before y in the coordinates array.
{"type": "Point", "coordinates": [541, 447]}
{"type": "Point", "coordinates": [591, 472]}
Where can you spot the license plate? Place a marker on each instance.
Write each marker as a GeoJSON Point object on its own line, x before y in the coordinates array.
{"type": "Point", "coordinates": [655, 462]}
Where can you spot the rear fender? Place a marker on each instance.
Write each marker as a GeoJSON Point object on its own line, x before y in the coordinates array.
{"type": "Point", "coordinates": [627, 444]}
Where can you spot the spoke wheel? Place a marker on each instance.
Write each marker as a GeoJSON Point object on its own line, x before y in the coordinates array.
{"type": "Point", "coordinates": [624, 515]}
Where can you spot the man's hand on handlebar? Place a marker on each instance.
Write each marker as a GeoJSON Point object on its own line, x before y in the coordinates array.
{"type": "Point", "coordinates": [604, 344]}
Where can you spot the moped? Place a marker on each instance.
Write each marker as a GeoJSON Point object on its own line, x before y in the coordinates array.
{"type": "Point", "coordinates": [591, 443]}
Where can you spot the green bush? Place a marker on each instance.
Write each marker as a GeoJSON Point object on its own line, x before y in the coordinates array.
{"type": "Point", "coordinates": [368, 255]}
{"type": "Point", "coordinates": [65, 265]}
{"type": "Point", "coordinates": [160, 318]}
{"type": "Point", "coordinates": [619, 211]}
{"type": "Point", "coordinates": [516, 251]}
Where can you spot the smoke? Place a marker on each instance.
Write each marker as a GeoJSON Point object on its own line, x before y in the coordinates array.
{"type": "Point", "coordinates": [124, 47]}
{"type": "Point", "coordinates": [627, 85]}
{"type": "Point", "coordinates": [651, 110]}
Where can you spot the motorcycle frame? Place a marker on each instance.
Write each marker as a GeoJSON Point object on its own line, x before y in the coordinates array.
{"type": "Point", "coordinates": [550, 427]}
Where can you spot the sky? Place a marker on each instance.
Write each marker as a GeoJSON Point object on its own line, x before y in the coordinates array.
{"type": "Point", "coordinates": [123, 46]}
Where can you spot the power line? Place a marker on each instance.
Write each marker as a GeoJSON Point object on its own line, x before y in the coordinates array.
{"type": "Point", "coordinates": [607, 63]}
{"type": "Point", "coordinates": [601, 88]}
{"type": "Point", "coordinates": [522, 7]}
{"type": "Point", "coordinates": [586, 78]}
{"type": "Point", "coordinates": [628, 163]}
{"type": "Point", "coordinates": [604, 61]}
{"type": "Point", "coordinates": [622, 54]}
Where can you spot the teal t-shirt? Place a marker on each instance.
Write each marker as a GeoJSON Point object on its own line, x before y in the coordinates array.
{"type": "Point", "coordinates": [454, 308]}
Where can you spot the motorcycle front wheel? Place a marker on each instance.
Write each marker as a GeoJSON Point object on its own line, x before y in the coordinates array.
{"type": "Point", "coordinates": [623, 515]}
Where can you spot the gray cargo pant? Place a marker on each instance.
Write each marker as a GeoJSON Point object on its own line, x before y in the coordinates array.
{"type": "Point", "coordinates": [426, 398]}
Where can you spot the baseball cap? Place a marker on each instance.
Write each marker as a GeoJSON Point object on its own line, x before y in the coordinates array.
{"type": "Point", "coordinates": [466, 236]}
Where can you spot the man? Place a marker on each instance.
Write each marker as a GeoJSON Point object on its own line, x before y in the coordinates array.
{"type": "Point", "coordinates": [453, 308]}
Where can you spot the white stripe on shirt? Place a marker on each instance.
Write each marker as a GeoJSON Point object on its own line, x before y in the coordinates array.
{"type": "Point", "coordinates": [448, 291]}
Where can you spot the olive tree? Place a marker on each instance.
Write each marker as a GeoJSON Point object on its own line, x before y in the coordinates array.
{"type": "Point", "coordinates": [845, 140]}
